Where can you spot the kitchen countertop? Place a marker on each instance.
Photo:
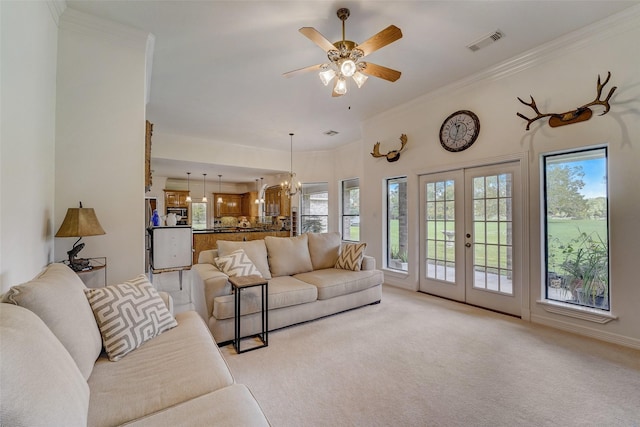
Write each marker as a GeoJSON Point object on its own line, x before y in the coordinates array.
{"type": "Point", "coordinates": [233, 230]}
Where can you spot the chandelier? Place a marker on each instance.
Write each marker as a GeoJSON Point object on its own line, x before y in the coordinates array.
{"type": "Point", "coordinates": [289, 187]}
{"type": "Point", "coordinates": [344, 62]}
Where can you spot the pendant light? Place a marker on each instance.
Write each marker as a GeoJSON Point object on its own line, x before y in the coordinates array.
{"type": "Point", "coordinates": [219, 201]}
{"type": "Point", "coordinates": [289, 186]}
{"type": "Point", "coordinates": [204, 194]}
{"type": "Point", "coordinates": [261, 191]}
{"type": "Point", "coordinates": [188, 188]}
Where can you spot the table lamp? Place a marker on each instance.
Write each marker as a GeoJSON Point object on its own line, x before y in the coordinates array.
{"type": "Point", "coordinates": [79, 222]}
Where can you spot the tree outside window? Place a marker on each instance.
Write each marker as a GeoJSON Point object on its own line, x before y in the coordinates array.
{"type": "Point", "coordinates": [314, 208]}
{"type": "Point", "coordinates": [397, 226]}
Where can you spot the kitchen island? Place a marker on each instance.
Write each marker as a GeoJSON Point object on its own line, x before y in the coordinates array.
{"type": "Point", "coordinates": [208, 239]}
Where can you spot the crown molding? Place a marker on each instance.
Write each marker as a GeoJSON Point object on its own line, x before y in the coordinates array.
{"type": "Point", "coordinates": [80, 22]}
{"type": "Point", "coordinates": [614, 25]}
{"type": "Point", "coordinates": [57, 8]}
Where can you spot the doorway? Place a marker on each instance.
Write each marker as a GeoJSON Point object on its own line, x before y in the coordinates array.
{"type": "Point", "coordinates": [471, 236]}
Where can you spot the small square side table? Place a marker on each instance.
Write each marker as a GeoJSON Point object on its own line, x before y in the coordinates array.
{"type": "Point", "coordinates": [238, 284]}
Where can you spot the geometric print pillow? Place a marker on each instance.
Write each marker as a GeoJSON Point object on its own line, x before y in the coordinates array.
{"type": "Point", "coordinates": [128, 314]}
{"type": "Point", "coordinates": [237, 263]}
{"type": "Point", "coordinates": [351, 256]}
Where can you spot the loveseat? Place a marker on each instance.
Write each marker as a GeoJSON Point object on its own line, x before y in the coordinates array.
{"type": "Point", "coordinates": [55, 371]}
{"type": "Point", "coordinates": [310, 276]}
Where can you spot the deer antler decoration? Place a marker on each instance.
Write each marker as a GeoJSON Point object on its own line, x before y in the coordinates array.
{"type": "Point", "coordinates": [391, 156]}
{"type": "Point", "coordinates": [580, 114]}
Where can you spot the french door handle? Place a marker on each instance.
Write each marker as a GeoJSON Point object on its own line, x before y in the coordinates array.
{"type": "Point", "coordinates": [468, 244]}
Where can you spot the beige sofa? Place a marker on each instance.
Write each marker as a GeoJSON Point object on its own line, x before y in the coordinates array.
{"type": "Point", "coordinates": [54, 370]}
{"type": "Point", "coordinates": [303, 283]}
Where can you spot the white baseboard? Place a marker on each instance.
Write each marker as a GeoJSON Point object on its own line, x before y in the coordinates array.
{"type": "Point", "coordinates": [586, 331]}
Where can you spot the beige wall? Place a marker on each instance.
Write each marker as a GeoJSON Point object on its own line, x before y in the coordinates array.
{"type": "Point", "coordinates": [560, 78]}
{"type": "Point", "coordinates": [100, 133]}
{"type": "Point", "coordinates": [29, 47]}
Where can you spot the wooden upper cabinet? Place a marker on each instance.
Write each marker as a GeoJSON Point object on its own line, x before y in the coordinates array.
{"type": "Point", "coordinates": [176, 199]}
{"type": "Point", "coordinates": [276, 202]}
{"type": "Point", "coordinates": [249, 205]}
{"type": "Point", "coordinates": [231, 204]}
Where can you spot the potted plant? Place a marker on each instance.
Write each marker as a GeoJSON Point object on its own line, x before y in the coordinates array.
{"type": "Point", "coordinates": [398, 259]}
{"type": "Point", "coordinates": [586, 270]}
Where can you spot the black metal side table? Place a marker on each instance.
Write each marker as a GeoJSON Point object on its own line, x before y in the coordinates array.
{"type": "Point", "coordinates": [238, 284]}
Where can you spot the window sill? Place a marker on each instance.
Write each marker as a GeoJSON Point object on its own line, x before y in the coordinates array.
{"type": "Point", "coordinates": [583, 313]}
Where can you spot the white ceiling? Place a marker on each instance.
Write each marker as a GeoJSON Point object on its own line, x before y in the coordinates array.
{"type": "Point", "coordinates": [217, 65]}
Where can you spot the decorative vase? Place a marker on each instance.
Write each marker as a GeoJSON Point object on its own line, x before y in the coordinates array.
{"type": "Point", "coordinates": [155, 218]}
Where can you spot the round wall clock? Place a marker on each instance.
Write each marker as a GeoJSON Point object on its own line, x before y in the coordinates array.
{"type": "Point", "coordinates": [459, 130]}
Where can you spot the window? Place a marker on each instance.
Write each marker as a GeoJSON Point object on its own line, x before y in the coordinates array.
{"type": "Point", "coordinates": [351, 210]}
{"type": "Point", "coordinates": [576, 223]}
{"type": "Point", "coordinates": [198, 215]}
{"type": "Point", "coordinates": [397, 231]}
{"type": "Point", "coordinates": [314, 208]}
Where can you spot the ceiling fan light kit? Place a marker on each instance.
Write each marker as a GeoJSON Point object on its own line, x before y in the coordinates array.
{"type": "Point", "coordinates": [345, 57]}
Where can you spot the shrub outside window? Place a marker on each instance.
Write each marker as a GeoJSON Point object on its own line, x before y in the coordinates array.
{"type": "Point", "coordinates": [576, 221]}
{"type": "Point", "coordinates": [351, 210]}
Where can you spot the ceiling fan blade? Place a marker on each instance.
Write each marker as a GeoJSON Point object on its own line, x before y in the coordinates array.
{"type": "Point", "coordinates": [302, 70]}
{"type": "Point", "coordinates": [381, 72]}
{"type": "Point", "coordinates": [315, 36]}
{"type": "Point", "coordinates": [380, 40]}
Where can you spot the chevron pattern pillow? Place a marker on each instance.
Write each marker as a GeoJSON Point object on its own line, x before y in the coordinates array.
{"type": "Point", "coordinates": [237, 263]}
{"type": "Point", "coordinates": [351, 256]}
{"type": "Point", "coordinates": [128, 315]}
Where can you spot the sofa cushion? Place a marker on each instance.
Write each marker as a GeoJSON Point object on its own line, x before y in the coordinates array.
{"type": "Point", "coordinates": [288, 255]}
{"type": "Point", "coordinates": [56, 296]}
{"type": "Point", "coordinates": [351, 256]}
{"type": "Point", "coordinates": [181, 364]}
{"type": "Point", "coordinates": [228, 407]}
{"type": "Point", "coordinates": [324, 249]}
{"type": "Point", "coordinates": [256, 250]}
{"type": "Point", "coordinates": [41, 383]}
{"type": "Point", "coordinates": [128, 315]}
{"type": "Point", "coordinates": [237, 264]}
{"type": "Point", "coordinates": [333, 282]}
{"type": "Point", "coordinates": [283, 291]}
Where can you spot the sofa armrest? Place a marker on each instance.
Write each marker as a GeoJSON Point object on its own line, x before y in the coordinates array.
{"type": "Point", "coordinates": [167, 299]}
{"type": "Point", "coordinates": [368, 263]}
{"type": "Point", "coordinates": [207, 283]}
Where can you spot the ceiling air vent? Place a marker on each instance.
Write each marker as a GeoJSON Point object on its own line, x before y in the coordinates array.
{"type": "Point", "coordinates": [486, 41]}
{"type": "Point", "coordinates": [331, 133]}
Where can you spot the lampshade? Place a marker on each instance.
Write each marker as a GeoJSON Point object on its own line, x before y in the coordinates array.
{"type": "Point", "coordinates": [341, 86]}
{"type": "Point", "coordinates": [80, 222]}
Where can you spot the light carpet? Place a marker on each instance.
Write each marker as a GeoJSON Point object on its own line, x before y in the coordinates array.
{"type": "Point", "coordinates": [417, 360]}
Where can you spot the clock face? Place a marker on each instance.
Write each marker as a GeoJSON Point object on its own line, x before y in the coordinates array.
{"type": "Point", "coordinates": [459, 130]}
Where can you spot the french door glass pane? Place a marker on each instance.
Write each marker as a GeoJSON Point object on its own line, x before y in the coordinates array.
{"type": "Point", "coordinates": [440, 230]}
{"type": "Point", "coordinates": [492, 224]}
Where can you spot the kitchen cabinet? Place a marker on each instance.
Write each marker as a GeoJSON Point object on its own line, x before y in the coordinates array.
{"type": "Point", "coordinates": [249, 205]}
{"type": "Point", "coordinates": [175, 199]}
{"type": "Point", "coordinates": [231, 204]}
{"type": "Point", "coordinates": [276, 202]}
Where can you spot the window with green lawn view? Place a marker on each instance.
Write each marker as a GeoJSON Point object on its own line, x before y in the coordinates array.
{"type": "Point", "coordinates": [314, 208]}
{"type": "Point", "coordinates": [397, 231]}
{"type": "Point", "coordinates": [351, 210]}
{"type": "Point", "coordinates": [576, 227]}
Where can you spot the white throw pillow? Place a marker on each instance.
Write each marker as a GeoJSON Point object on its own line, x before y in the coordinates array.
{"type": "Point", "coordinates": [256, 250]}
{"type": "Point", "coordinates": [237, 264]}
{"type": "Point", "coordinates": [351, 256]}
{"type": "Point", "coordinates": [129, 314]}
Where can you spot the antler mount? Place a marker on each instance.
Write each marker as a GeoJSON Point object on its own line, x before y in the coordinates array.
{"type": "Point", "coordinates": [393, 155]}
{"type": "Point", "coordinates": [580, 114]}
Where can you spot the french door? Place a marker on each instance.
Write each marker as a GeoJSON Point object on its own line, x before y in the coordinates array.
{"type": "Point", "coordinates": [471, 236]}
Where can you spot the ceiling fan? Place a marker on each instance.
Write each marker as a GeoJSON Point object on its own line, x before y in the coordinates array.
{"type": "Point", "coordinates": [345, 57]}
